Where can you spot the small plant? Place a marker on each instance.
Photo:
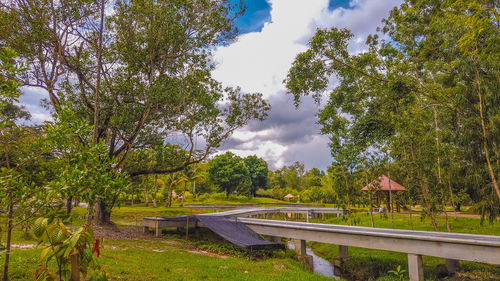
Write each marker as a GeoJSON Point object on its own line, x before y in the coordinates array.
{"type": "Point", "coordinates": [70, 251]}
{"type": "Point", "coordinates": [398, 272]}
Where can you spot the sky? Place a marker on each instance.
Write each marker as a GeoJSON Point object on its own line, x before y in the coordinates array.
{"type": "Point", "coordinates": [272, 33]}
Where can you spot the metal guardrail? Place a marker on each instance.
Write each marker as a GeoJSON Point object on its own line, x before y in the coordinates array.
{"type": "Point", "coordinates": [451, 246]}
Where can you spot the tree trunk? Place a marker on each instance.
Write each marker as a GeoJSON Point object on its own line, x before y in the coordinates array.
{"type": "Point", "coordinates": [102, 213]}
{"type": "Point", "coordinates": [155, 190]}
{"type": "Point", "coordinates": [69, 201]}
{"type": "Point", "coordinates": [390, 195]}
{"type": "Point", "coordinates": [183, 194]}
{"type": "Point", "coordinates": [132, 202]}
{"type": "Point", "coordinates": [485, 135]}
{"type": "Point", "coordinates": [90, 213]}
{"type": "Point", "coordinates": [440, 181]}
{"type": "Point", "coordinates": [426, 194]}
{"type": "Point", "coordinates": [147, 194]}
{"type": "Point", "coordinates": [369, 191]}
{"type": "Point", "coordinates": [169, 203]}
{"type": "Point", "coordinates": [9, 236]}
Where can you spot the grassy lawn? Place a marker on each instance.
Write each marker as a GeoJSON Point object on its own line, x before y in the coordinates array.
{"type": "Point", "coordinates": [172, 258]}
{"type": "Point", "coordinates": [162, 259]}
{"type": "Point", "coordinates": [169, 257]}
{"type": "Point", "coordinates": [366, 264]}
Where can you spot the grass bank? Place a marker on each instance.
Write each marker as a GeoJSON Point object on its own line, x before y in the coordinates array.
{"type": "Point", "coordinates": [366, 264]}
{"type": "Point", "coordinates": [129, 255]}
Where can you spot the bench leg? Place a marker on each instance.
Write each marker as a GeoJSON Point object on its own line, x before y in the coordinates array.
{"type": "Point", "coordinates": [415, 267]}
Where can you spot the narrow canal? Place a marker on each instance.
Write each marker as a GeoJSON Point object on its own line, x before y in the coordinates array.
{"type": "Point", "coordinates": [321, 266]}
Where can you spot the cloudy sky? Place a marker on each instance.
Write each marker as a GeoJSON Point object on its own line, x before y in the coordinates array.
{"type": "Point", "coordinates": [273, 32]}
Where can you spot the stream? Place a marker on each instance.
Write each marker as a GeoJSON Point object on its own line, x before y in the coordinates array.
{"type": "Point", "coordinates": [321, 266]}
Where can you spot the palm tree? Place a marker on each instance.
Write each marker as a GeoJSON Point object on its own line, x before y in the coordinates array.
{"type": "Point", "coordinates": [191, 174]}
{"type": "Point", "coordinates": [170, 182]}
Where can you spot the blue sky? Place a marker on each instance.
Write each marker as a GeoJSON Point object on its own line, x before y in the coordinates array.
{"type": "Point", "coordinates": [272, 33]}
{"type": "Point", "coordinates": [259, 11]}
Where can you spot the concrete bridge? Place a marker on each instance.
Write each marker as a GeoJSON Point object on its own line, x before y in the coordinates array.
{"type": "Point", "coordinates": [451, 246]}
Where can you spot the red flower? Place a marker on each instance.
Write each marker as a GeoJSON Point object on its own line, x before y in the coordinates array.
{"type": "Point", "coordinates": [97, 249]}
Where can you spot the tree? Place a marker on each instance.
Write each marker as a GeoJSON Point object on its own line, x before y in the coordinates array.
{"type": "Point", "coordinates": [191, 174]}
{"type": "Point", "coordinates": [230, 174]}
{"type": "Point", "coordinates": [257, 168]}
{"type": "Point", "coordinates": [437, 73]}
{"type": "Point", "coordinates": [139, 75]}
{"type": "Point", "coordinates": [16, 194]}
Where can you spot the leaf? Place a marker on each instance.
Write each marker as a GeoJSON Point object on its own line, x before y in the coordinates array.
{"type": "Point", "coordinates": [44, 253]}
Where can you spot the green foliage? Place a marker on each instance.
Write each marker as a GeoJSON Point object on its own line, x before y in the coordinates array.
{"type": "Point", "coordinates": [63, 246]}
{"type": "Point", "coordinates": [425, 101]}
{"type": "Point", "coordinates": [84, 167]}
{"type": "Point", "coordinates": [229, 172]}
{"type": "Point", "coordinates": [258, 171]}
{"type": "Point", "coordinates": [9, 83]}
{"type": "Point", "coordinates": [399, 273]}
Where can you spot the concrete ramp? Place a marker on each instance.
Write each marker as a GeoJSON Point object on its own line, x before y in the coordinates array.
{"type": "Point", "coordinates": [227, 227]}
{"type": "Point", "coordinates": [236, 232]}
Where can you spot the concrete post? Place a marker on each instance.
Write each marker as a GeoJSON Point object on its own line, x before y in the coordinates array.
{"type": "Point", "coordinates": [415, 267]}
{"type": "Point", "coordinates": [307, 216]}
{"type": "Point", "coordinates": [343, 251]}
{"type": "Point", "coordinates": [338, 261]}
{"type": "Point", "coordinates": [452, 265]}
{"type": "Point", "coordinates": [300, 247]}
{"type": "Point", "coordinates": [305, 260]}
{"type": "Point", "coordinates": [275, 239]}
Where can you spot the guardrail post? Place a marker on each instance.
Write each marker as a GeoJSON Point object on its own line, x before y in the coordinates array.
{"type": "Point", "coordinates": [343, 251]}
{"type": "Point", "coordinates": [452, 265]}
{"type": "Point", "coordinates": [305, 260]}
{"type": "Point", "coordinates": [415, 267]}
{"type": "Point", "coordinates": [338, 261]}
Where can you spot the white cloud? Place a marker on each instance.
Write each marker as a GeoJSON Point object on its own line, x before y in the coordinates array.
{"type": "Point", "coordinates": [259, 62]}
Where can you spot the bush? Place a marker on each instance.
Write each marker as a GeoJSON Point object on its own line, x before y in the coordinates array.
{"type": "Point", "coordinates": [263, 192]}
{"type": "Point", "coordinates": [218, 196]}
{"type": "Point", "coordinates": [188, 196]}
{"type": "Point", "coordinates": [242, 198]}
{"type": "Point", "coordinates": [204, 197]}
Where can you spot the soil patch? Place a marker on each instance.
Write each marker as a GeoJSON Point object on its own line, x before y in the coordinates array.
{"type": "Point", "coordinates": [119, 233]}
{"type": "Point", "coordinates": [199, 252]}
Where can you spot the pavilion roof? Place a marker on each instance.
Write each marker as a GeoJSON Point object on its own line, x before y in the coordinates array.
{"type": "Point", "coordinates": [382, 183]}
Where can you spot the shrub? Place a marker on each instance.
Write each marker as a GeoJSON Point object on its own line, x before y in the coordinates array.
{"type": "Point", "coordinates": [242, 198]}
{"type": "Point", "coordinates": [204, 197]}
{"type": "Point", "coordinates": [218, 196]}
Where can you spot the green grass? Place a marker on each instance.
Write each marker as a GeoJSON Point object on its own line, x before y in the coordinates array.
{"type": "Point", "coordinates": [171, 258]}
{"type": "Point", "coordinates": [366, 264]}
{"type": "Point", "coordinates": [164, 259]}
{"type": "Point", "coordinates": [402, 221]}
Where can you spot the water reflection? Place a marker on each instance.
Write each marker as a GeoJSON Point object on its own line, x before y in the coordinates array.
{"type": "Point", "coordinates": [321, 266]}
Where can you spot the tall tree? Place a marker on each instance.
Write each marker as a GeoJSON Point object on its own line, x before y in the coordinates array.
{"type": "Point", "coordinates": [139, 75]}
{"type": "Point", "coordinates": [230, 174]}
{"type": "Point", "coordinates": [257, 169]}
